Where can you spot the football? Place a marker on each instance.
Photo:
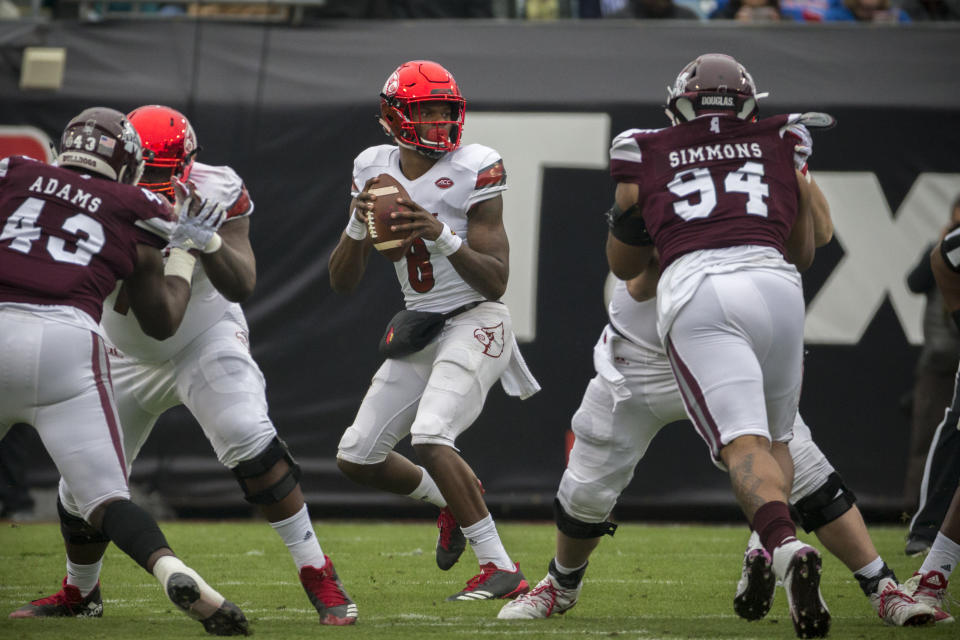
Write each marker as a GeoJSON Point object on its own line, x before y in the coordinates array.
{"type": "Point", "coordinates": [385, 240]}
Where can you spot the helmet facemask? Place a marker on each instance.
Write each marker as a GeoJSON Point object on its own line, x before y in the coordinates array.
{"type": "Point", "coordinates": [407, 104]}
{"type": "Point", "coordinates": [405, 122]}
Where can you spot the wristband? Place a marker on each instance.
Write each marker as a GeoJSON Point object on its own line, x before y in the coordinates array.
{"type": "Point", "coordinates": [448, 242]}
{"type": "Point", "coordinates": [180, 264]}
{"type": "Point", "coordinates": [356, 229]}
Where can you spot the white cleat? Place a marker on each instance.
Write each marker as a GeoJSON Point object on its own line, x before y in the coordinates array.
{"type": "Point", "coordinates": [898, 609]}
{"type": "Point", "coordinates": [197, 599]}
{"type": "Point", "coordinates": [930, 588]}
{"type": "Point", "coordinates": [800, 567]}
{"type": "Point", "coordinates": [544, 600]}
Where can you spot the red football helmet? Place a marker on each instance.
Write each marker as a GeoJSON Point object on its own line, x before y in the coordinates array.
{"type": "Point", "coordinates": [168, 136]}
{"type": "Point", "coordinates": [103, 141]}
{"type": "Point", "coordinates": [407, 88]}
{"type": "Point", "coordinates": [713, 83]}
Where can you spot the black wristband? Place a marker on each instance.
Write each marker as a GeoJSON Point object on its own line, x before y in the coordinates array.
{"type": "Point", "coordinates": [628, 226]}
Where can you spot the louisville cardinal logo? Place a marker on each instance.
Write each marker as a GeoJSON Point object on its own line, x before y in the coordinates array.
{"type": "Point", "coordinates": [392, 84]}
{"type": "Point", "coordinates": [492, 340]}
{"type": "Point", "coordinates": [389, 337]}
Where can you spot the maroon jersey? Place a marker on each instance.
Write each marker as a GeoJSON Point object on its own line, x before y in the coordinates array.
{"type": "Point", "coordinates": [66, 238]}
{"type": "Point", "coordinates": [716, 181]}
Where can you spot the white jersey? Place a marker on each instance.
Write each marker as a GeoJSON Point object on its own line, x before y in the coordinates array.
{"type": "Point", "coordinates": [460, 179]}
{"type": "Point", "coordinates": [636, 321]}
{"type": "Point", "coordinates": [207, 305]}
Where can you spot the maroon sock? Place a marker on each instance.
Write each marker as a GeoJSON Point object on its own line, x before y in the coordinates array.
{"type": "Point", "coordinates": [773, 524]}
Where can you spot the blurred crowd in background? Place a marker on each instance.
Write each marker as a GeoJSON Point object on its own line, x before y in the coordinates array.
{"type": "Point", "coordinates": [888, 11]}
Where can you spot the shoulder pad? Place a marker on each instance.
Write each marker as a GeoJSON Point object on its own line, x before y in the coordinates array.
{"type": "Point", "coordinates": [224, 185]}
{"type": "Point", "coordinates": [475, 157]}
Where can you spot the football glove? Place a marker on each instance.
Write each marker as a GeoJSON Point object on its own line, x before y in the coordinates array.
{"type": "Point", "coordinates": [198, 220]}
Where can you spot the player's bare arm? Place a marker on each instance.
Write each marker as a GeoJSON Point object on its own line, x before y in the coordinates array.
{"type": "Point", "coordinates": [233, 268]}
{"type": "Point", "coordinates": [644, 286]}
{"type": "Point", "coordinates": [812, 196]}
{"type": "Point", "coordinates": [158, 301]}
{"type": "Point", "coordinates": [484, 260]}
{"type": "Point", "coordinates": [626, 260]}
{"type": "Point", "coordinates": [348, 262]}
{"type": "Point", "coordinates": [801, 243]}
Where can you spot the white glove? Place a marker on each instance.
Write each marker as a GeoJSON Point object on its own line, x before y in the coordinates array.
{"type": "Point", "coordinates": [197, 221]}
{"type": "Point", "coordinates": [804, 147]}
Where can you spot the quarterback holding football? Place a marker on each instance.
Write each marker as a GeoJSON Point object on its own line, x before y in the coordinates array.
{"type": "Point", "coordinates": [453, 340]}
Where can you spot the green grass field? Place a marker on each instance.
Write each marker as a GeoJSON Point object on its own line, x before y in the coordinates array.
{"type": "Point", "coordinates": [650, 581]}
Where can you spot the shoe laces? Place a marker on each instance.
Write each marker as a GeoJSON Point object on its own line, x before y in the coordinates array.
{"type": "Point", "coordinates": [486, 571]}
{"type": "Point", "coordinates": [321, 583]}
{"type": "Point", "coordinates": [545, 592]}
{"type": "Point", "coordinates": [446, 523]}
{"type": "Point", "coordinates": [68, 596]}
{"type": "Point", "coordinates": [893, 597]}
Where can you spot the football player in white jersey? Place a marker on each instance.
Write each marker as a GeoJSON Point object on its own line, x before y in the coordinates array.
{"type": "Point", "coordinates": [633, 395]}
{"type": "Point", "coordinates": [453, 271]}
{"type": "Point", "coordinates": [207, 367]}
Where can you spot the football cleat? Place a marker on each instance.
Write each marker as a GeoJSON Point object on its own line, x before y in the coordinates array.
{"type": "Point", "coordinates": [493, 583]}
{"type": "Point", "coordinates": [450, 542]}
{"type": "Point", "coordinates": [327, 594]}
{"type": "Point", "coordinates": [898, 609]}
{"type": "Point", "coordinates": [930, 588]}
{"type": "Point", "coordinates": [757, 583]}
{"type": "Point", "coordinates": [916, 546]}
{"type": "Point", "coordinates": [544, 600]}
{"type": "Point", "coordinates": [219, 616]}
{"type": "Point", "coordinates": [64, 603]}
{"type": "Point", "coordinates": [801, 581]}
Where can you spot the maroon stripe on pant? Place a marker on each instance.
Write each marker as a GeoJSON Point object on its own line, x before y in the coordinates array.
{"type": "Point", "coordinates": [693, 399]}
{"type": "Point", "coordinates": [102, 379]}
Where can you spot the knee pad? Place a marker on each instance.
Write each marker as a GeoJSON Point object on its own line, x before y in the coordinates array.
{"type": "Point", "coordinates": [826, 504]}
{"type": "Point", "coordinates": [133, 530]}
{"type": "Point", "coordinates": [277, 450]}
{"type": "Point", "coordinates": [579, 529]}
{"type": "Point", "coordinates": [76, 530]}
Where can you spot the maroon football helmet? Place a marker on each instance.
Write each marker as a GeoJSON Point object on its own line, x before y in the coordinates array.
{"type": "Point", "coordinates": [407, 88]}
{"type": "Point", "coordinates": [103, 141]}
{"type": "Point", "coordinates": [713, 83]}
{"type": "Point", "coordinates": [168, 136]}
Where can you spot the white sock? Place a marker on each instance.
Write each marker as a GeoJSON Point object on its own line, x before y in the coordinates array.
{"type": "Point", "coordinates": [486, 545]}
{"type": "Point", "coordinates": [566, 570]}
{"type": "Point", "coordinates": [754, 541]}
{"type": "Point", "coordinates": [428, 491]}
{"type": "Point", "coordinates": [84, 576]}
{"type": "Point", "coordinates": [871, 570]}
{"type": "Point", "coordinates": [943, 557]}
{"type": "Point", "coordinates": [166, 566]}
{"type": "Point", "coordinates": [297, 533]}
